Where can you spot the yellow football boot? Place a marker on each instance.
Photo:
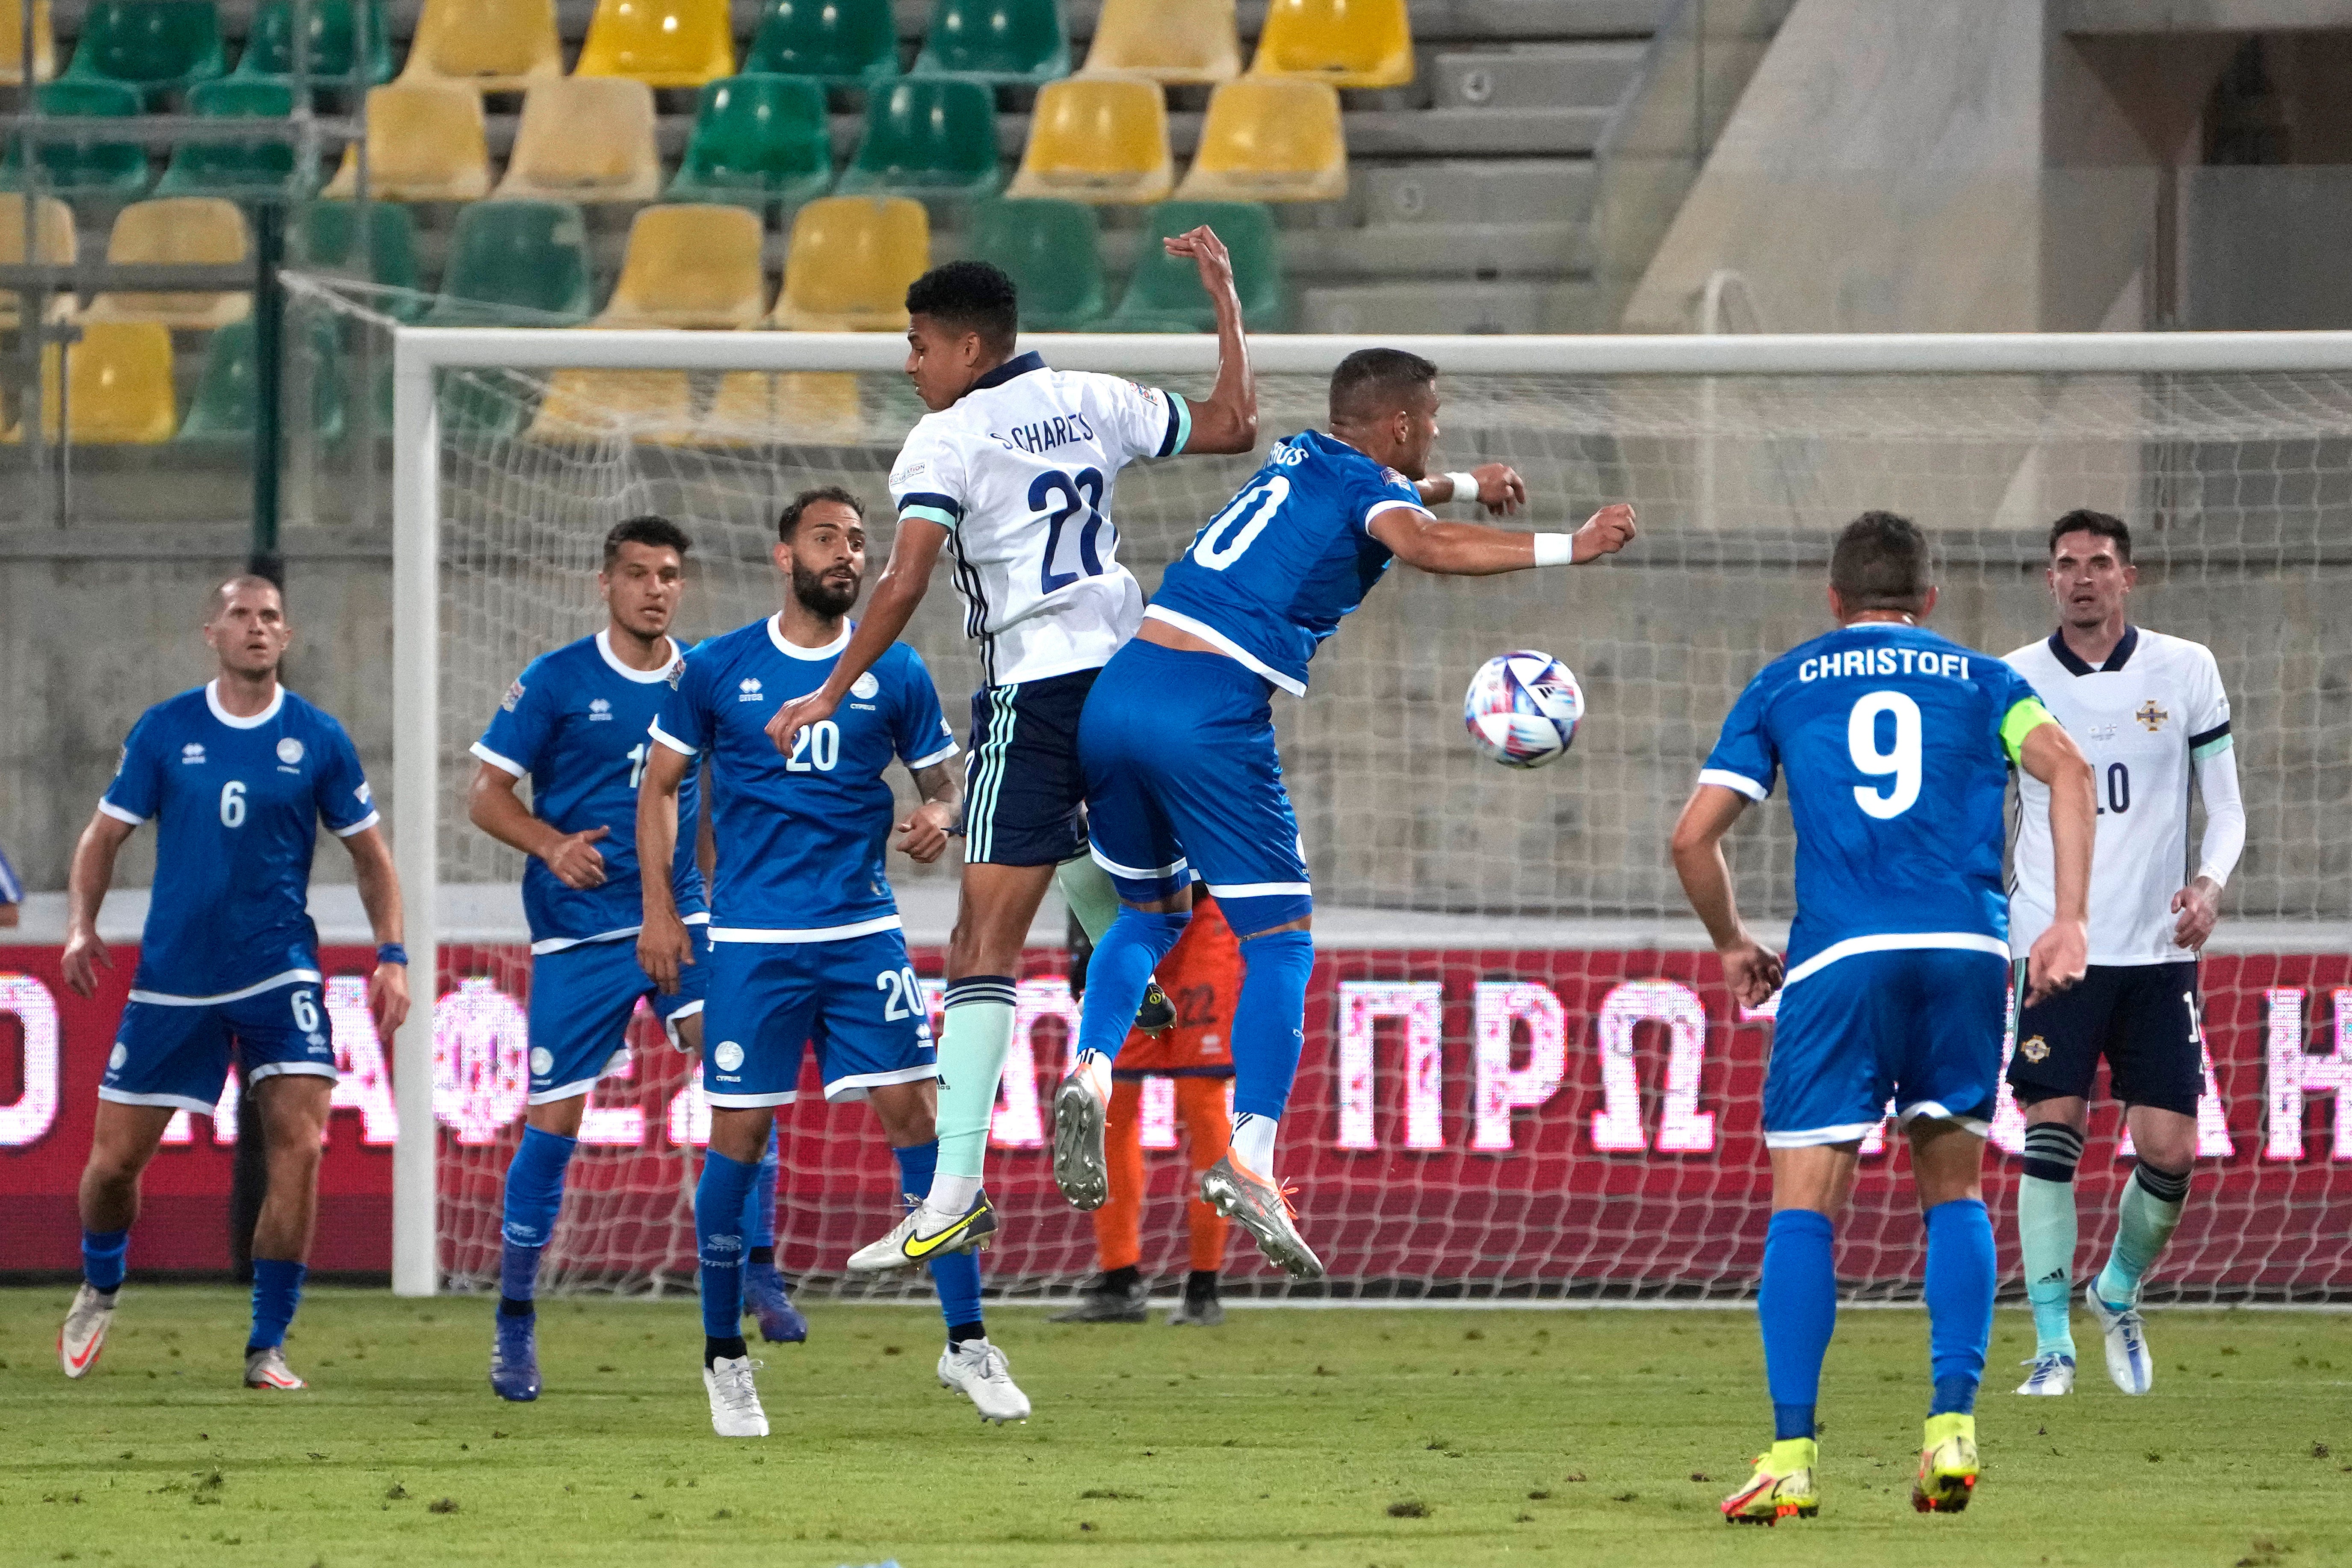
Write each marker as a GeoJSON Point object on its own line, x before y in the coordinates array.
{"type": "Point", "coordinates": [1781, 1488]}
{"type": "Point", "coordinates": [1948, 1464]}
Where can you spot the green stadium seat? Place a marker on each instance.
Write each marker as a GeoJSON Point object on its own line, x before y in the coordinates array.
{"type": "Point", "coordinates": [245, 170]}
{"type": "Point", "coordinates": [269, 42]}
{"type": "Point", "coordinates": [927, 136]}
{"type": "Point", "coordinates": [229, 395]}
{"type": "Point", "coordinates": [758, 141]}
{"type": "Point", "coordinates": [843, 43]}
{"type": "Point", "coordinates": [516, 263]}
{"type": "Point", "coordinates": [157, 45]}
{"type": "Point", "coordinates": [117, 169]}
{"type": "Point", "coordinates": [329, 238]}
{"type": "Point", "coordinates": [1165, 294]}
{"type": "Point", "coordinates": [1007, 41]}
{"type": "Point", "coordinates": [1050, 250]}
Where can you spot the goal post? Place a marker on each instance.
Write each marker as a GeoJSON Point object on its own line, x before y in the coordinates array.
{"type": "Point", "coordinates": [1524, 1075]}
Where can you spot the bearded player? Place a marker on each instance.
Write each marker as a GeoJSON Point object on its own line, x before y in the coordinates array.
{"type": "Point", "coordinates": [2148, 710]}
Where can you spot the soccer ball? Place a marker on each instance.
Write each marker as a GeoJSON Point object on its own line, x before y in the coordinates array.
{"type": "Point", "coordinates": [1522, 708]}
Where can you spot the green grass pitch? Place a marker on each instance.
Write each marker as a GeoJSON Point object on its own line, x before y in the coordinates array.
{"type": "Point", "coordinates": [1344, 1437]}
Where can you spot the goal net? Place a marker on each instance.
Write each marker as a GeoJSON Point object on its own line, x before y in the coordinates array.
{"type": "Point", "coordinates": [1523, 1076]}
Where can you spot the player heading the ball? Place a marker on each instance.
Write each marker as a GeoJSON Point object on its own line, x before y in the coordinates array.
{"type": "Point", "coordinates": [1898, 745]}
{"type": "Point", "coordinates": [1182, 774]}
{"type": "Point", "coordinates": [2148, 711]}
{"type": "Point", "coordinates": [237, 776]}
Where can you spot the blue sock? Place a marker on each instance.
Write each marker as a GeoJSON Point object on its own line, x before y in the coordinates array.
{"type": "Point", "coordinates": [1269, 1021]}
{"type": "Point", "coordinates": [957, 1276]}
{"type": "Point", "coordinates": [104, 1256]}
{"type": "Point", "coordinates": [759, 1211]}
{"type": "Point", "coordinates": [1117, 973]}
{"type": "Point", "coordinates": [534, 1193]}
{"type": "Point", "coordinates": [276, 1291]}
{"type": "Point", "coordinates": [1796, 1305]}
{"type": "Point", "coordinates": [1959, 1301]}
{"type": "Point", "coordinates": [718, 1241]}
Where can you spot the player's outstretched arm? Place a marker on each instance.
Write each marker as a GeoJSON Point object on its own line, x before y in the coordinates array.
{"type": "Point", "coordinates": [2060, 954]}
{"type": "Point", "coordinates": [1227, 422]}
{"type": "Point", "coordinates": [1749, 968]}
{"type": "Point", "coordinates": [379, 895]}
{"type": "Point", "coordinates": [1474, 550]}
{"type": "Point", "coordinates": [897, 592]}
{"type": "Point", "coordinates": [662, 943]}
{"type": "Point", "coordinates": [92, 874]}
{"type": "Point", "coordinates": [492, 806]}
{"type": "Point", "coordinates": [923, 836]}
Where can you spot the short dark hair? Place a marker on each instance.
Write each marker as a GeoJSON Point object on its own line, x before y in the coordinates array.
{"type": "Point", "coordinates": [969, 296]}
{"type": "Point", "coordinates": [790, 522]}
{"type": "Point", "coordinates": [2082, 520]}
{"type": "Point", "coordinates": [1372, 382]}
{"type": "Point", "coordinates": [1881, 564]}
{"type": "Point", "coordinates": [658, 532]}
{"type": "Point", "coordinates": [243, 580]}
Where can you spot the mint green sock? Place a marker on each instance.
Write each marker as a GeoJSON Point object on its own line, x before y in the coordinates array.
{"type": "Point", "coordinates": [972, 1062]}
{"type": "Point", "coordinates": [2046, 1233]}
{"type": "Point", "coordinates": [1086, 889]}
{"type": "Point", "coordinates": [2144, 1221]}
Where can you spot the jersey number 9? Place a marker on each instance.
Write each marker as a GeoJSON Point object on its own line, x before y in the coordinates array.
{"type": "Point", "coordinates": [1901, 765]}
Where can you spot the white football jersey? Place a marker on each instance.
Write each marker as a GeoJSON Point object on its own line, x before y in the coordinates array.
{"type": "Point", "coordinates": [2141, 718]}
{"type": "Point", "coordinates": [1020, 472]}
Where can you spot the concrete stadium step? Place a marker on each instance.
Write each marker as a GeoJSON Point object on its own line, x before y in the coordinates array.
{"type": "Point", "coordinates": [1451, 308]}
{"type": "Point", "coordinates": [1462, 191]}
{"type": "Point", "coordinates": [1549, 75]}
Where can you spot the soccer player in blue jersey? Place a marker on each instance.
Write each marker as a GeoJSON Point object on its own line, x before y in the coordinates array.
{"type": "Point", "coordinates": [1898, 745]}
{"type": "Point", "coordinates": [806, 944]}
{"type": "Point", "coordinates": [1178, 745]}
{"type": "Point", "coordinates": [236, 775]}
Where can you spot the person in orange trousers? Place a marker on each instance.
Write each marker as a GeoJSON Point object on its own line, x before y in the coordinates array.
{"type": "Point", "coordinates": [1202, 977]}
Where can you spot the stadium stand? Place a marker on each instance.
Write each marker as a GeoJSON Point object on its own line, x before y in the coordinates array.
{"type": "Point", "coordinates": [750, 407]}
{"type": "Point", "coordinates": [926, 136]}
{"type": "Point", "coordinates": [157, 45]}
{"type": "Point", "coordinates": [183, 230]}
{"type": "Point", "coordinates": [328, 240]}
{"type": "Point", "coordinates": [1176, 43]}
{"type": "Point", "coordinates": [328, 52]}
{"type": "Point", "coordinates": [758, 140]}
{"type": "Point", "coordinates": [841, 43]}
{"type": "Point", "coordinates": [246, 170]}
{"type": "Point", "coordinates": [1347, 43]}
{"type": "Point", "coordinates": [86, 168]}
{"type": "Point", "coordinates": [1097, 139]}
{"type": "Point", "coordinates": [1051, 250]}
{"type": "Point", "coordinates": [690, 267]}
{"type": "Point", "coordinates": [1008, 42]}
{"type": "Point", "coordinates": [426, 142]}
{"type": "Point", "coordinates": [1165, 295]}
{"type": "Point", "coordinates": [1270, 138]}
{"type": "Point", "coordinates": [589, 405]}
{"type": "Point", "coordinates": [662, 43]}
{"type": "Point", "coordinates": [497, 46]}
{"type": "Point", "coordinates": [849, 264]}
{"type": "Point", "coordinates": [118, 387]}
{"type": "Point", "coordinates": [585, 139]}
{"type": "Point", "coordinates": [12, 42]}
{"type": "Point", "coordinates": [223, 409]}
{"type": "Point", "coordinates": [513, 261]}
{"type": "Point", "coordinates": [53, 242]}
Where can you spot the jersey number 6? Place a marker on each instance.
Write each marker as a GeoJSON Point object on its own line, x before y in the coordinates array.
{"type": "Point", "coordinates": [1081, 490]}
{"type": "Point", "coordinates": [1902, 763]}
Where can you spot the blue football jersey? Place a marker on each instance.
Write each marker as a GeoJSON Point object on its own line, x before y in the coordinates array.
{"type": "Point", "coordinates": [578, 724]}
{"type": "Point", "coordinates": [801, 838]}
{"type": "Point", "coordinates": [1897, 744]}
{"type": "Point", "coordinates": [1274, 573]}
{"type": "Point", "coordinates": [236, 803]}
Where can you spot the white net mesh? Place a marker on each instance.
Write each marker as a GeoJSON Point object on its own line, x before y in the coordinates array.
{"type": "Point", "coordinates": [1523, 1075]}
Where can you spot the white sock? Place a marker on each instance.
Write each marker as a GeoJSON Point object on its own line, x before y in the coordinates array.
{"type": "Point", "coordinates": [952, 1196]}
{"type": "Point", "coordinates": [1254, 1142]}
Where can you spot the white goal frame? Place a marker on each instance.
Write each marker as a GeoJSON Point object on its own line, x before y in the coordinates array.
{"type": "Point", "coordinates": [418, 353]}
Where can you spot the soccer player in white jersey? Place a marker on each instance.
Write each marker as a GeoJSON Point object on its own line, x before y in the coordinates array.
{"type": "Point", "coordinates": [1013, 473]}
{"type": "Point", "coordinates": [236, 775]}
{"type": "Point", "coordinates": [2148, 711]}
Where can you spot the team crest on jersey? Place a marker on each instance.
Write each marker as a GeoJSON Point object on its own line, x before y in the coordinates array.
{"type": "Point", "coordinates": [2034, 1049]}
{"type": "Point", "coordinates": [748, 690]}
{"type": "Point", "coordinates": [2151, 715]}
{"type": "Point", "coordinates": [600, 708]}
{"type": "Point", "coordinates": [289, 751]}
{"type": "Point", "coordinates": [677, 673]}
{"type": "Point", "coordinates": [513, 696]}
{"type": "Point", "coordinates": [728, 1057]}
{"type": "Point", "coordinates": [864, 686]}
{"type": "Point", "coordinates": [194, 752]}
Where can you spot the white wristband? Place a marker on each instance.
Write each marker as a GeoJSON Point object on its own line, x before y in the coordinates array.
{"type": "Point", "coordinates": [1555, 549]}
{"type": "Point", "coordinates": [1466, 487]}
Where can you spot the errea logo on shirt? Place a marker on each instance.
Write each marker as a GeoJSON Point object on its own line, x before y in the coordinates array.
{"type": "Point", "coordinates": [748, 690]}
{"type": "Point", "coordinates": [600, 710]}
{"type": "Point", "coordinates": [192, 752]}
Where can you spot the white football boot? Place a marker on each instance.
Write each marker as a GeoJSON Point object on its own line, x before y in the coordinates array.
{"type": "Point", "coordinates": [1081, 1109]}
{"type": "Point", "coordinates": [2128, 1362]}
{"type": "Point", "coordinates": [734, 1404]}
{"type": "Point", "coordinates": [926, 1234]}
{"type": "Point", "coordinates": [84, 1333]}
{"type": "Point", "coordinates": [978, 1371]}
{"type": "Point", "coordinates": [2053, 1375]}
{"type": "Point", "coordinates": [267, 1369]}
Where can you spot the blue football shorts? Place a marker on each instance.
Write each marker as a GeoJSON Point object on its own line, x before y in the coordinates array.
{"type": "Point", "coordinates": [1920, 1026]}
{"type": "Point", "coordinates": [175, 1050]}
{"type": "Point", "coordinates": [858, 1001]}
{"type": "Point", "coordinates": [580, 1002]}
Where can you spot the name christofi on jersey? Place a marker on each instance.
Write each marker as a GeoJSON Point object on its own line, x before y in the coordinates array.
{"type": "Point", "coordinates": [1885, 662]}
{"type": "Point", "coordinates": [1044, 435]}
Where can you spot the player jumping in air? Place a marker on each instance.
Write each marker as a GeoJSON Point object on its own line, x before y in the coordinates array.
{"type": "Point", "coordinates": [236, 775]}
{"type": "Point", "coordinates": [2147, 710]}
{"type": "Point", "coordinates": [1898, 745]}
{"type": "Point", "coordinates": [1182, 774]}
{"type": "Point", "coordinates": [1013, 472]}
{"type": "Point", "coordinates": [576, 725]}
{"type": "Point", "coordinates": [804, 933]}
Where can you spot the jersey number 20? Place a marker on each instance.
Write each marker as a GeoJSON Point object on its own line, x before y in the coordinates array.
{"type": "Point", "coordinates": [1900, 765]}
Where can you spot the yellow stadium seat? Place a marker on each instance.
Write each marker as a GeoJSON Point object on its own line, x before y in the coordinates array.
{"type": "Point", "coordinates": [12, 42]}
{"type": "Point", "coordinates": [1173, 42]}
{"type": "Point", "coordinates": [53, 243]}
{"type": "Point", "coordinates": [1348, 43]}
{"type": "Point", "coordinates": [426, 142]}
{"type": "Point", "coordinates": [1097, 139]}
{"type": "Point", "coordinates": [1270, 138]}
{"type": "Point", "coordinates": [494, 46]}
{"type": "Point", "coordinates": [587, 406]}
{"type": "Point", "coordinates": [662, 43]}
{"type": "Point", "coordinates": [850, 263]}
{"type": "Point", "coordinates": [754, 408]}
{"type": "Point", "coordinates": [690, 265]}
{"type": "Point", "coordinates": [118, 387]}
{"type": "Point", "coordinates": [190, 230]}
{"type": "Point", "coordinates": [585, 139]}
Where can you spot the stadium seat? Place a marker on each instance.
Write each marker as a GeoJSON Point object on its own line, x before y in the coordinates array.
{"type": "Point", "coordinates": [1097, 139]}
{"type": "Point", "coordinates": [758, 140]}
{"type": "Point", "coordinates": [585, 139]}
{"type": "Point", "coordinates": [116, 169]}
{"type": "Point", "coordinates": [228, 395]}
{"type": "Point", "coordinates": [206, 231]}
{"type": "Point", "coordinates": [246, 170]}
{"type": "Point", "coordinates": [1165, 295]}
{"type": "Point", "coordinates": [53, 242]}
{"type": "Point", "coordinates": [843, 43]}
{"type": "Point", "coordinates": [662, 43]}
{"type": "Point", "coordinates": [1008, 41]}
{"type": "Point", "coordinates": [1347, 43]}
{"type": "Point", "coordinates": [157, 45]}
{"type": "Point", "coordinates": [270, 45]}
{"type": "Point", "coordinates": [588, 406]}
{"type": "Point", "coordinates": [1173, 42]}
{"type": "Point", "coordinates": [428, 142]}
{"type": "Point", "coordinates": [754, 408]}
{"type": "Point", "coordinates": [117, 389]}
{"type": "Point", "coordinates": [12, 42]}
{"type": "Point", "coordinates": [929, 136]}
{"type": "Point", "coordinates": [850, 263]}
{"type": "Point", "coordinates": [516, 264]}
{"type": "Point", "coordinates": [328, 239]}
{"type": "Point", "coordinates": [1270, 138]}
{"type": "Point", "coordinates": [691, 267]}
{"type": "Point", "coordinates": [494, 46]}
{"type": "Point", "coordinates": [1050, 250]}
